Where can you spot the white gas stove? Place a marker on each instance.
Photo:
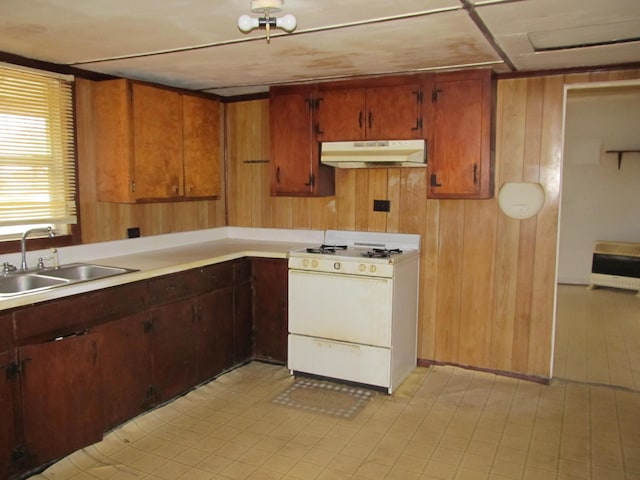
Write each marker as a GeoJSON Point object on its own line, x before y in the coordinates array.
{"type": "Point", "coordinates": [353, 304]}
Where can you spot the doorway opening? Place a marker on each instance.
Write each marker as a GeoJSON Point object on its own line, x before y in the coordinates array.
{"type": "Point", "coordinates": [597, 331]}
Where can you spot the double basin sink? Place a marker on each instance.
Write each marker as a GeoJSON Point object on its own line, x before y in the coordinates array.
{"type": "Point", "coordinates": [18, 283]}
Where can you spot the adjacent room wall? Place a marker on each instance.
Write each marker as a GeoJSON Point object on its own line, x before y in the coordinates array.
{"type": "Point", "coordinates": [599, 201]}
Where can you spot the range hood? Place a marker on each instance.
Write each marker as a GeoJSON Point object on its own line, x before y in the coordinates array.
{"type": "Point", "coordinates": [374, 153]}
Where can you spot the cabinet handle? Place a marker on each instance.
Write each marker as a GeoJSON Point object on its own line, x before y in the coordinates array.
{"type": "Point", "coordinates": [418, 124]}
{"type": "Point", "coordinates": [312, 180]}
{"type": "Point", "coordinates": [434, 181]}
{"type": "Point", "coordinates": [360, 119]}
{"type": "Point", "coordinates": [278, 175]}
{"type": "Point", "coordinates": [418, 94]}
{"type": "Point", "coordinates": [435, 95]}
{"type": "Point", "coordinates": [370, 119]}
{"type": "Point", "coordinates": [317, 129]}
{"type": "Point", "coordinates": [475, 173]}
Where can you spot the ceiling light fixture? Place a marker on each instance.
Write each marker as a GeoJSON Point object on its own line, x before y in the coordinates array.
{"type": "Point", "coordinates": [267, 8]}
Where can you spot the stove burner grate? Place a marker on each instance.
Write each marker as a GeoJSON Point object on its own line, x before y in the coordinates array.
{"type": "Point", "coordinates": [326, 249]}
{"type": "Point", "coordinates": [382, 253]}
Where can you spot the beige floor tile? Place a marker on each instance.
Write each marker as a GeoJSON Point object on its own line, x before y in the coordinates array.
{"type": "Point", "coordinates": [452, 424]}
{"type": "Point", "coordinates": [597, 336]}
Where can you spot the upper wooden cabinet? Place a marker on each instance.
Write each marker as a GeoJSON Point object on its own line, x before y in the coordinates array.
{"type": "Point", "coordinates": [391, 112]}
{"type": "Point", "coordinates": [460, 138]}
{"type": "Point", "coordinates": [153, 143]}
{"type": "Point", "coordinates": [295, 151]}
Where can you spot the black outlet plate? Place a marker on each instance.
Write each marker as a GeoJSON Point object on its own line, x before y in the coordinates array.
{"type": "Point", "coordinates": [382, 205]}
{"type": "Point", "coordinates": [133, 232]}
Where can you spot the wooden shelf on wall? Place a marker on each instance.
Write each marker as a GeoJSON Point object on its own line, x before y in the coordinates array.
{"type": "Point", "coordinates": [620, 153]}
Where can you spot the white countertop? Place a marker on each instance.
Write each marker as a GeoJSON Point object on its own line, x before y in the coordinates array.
{"type": "Point", "coordinates": [165, 259]}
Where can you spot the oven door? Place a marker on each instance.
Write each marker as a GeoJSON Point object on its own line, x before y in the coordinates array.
{"type": "Point", "coordinates": [348, 308]}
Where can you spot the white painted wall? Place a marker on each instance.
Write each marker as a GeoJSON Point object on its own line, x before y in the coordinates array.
{"type": "Point", "coordinates": [599, 202]}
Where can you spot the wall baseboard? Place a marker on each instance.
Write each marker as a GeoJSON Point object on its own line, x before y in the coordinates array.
{"type": "Point", "coordinates": [423, 362]}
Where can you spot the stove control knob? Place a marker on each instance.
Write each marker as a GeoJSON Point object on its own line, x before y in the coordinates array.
{"type": "Point", "coordinates": [372, 268]}
{"type": "Point", "coordinates": [337, 266]}
{"type": "Point", "coordinates": [305, 262]}
{"type": "Point", "coordinates": [362, 267]}
{"type": "Point", "coordinates": [314, 263]}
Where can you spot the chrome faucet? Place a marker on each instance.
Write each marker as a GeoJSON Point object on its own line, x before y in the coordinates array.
{"type": "Point", "coordinates": [23, 242]}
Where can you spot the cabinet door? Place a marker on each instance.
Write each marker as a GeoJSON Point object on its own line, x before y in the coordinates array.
{"type": "Point", "coordinates": [157, 139]}
{"type": "Point", "coordinates": [125, 365]}
{"type": "Point", "coordinates": [201, 146]}
{"type": "Point", "coordinates": [270, 282]}
{"type": "Point", "coordinates": [394, 113]}
{"type": "Point", "coordinates": [460, 163]}
{"type": "Point", "coordinates": [62, 401]}
{"type": "Point", "coordinates": [173, 328]}
{"type": "Point", "coordinates": [341, 115]}
{"type": "Point", "coordinates": [292, 143]}
{"type": "Point", "coordinates": [7, 419]}
{"type": "Point", "coordinates": [214, 341]}
{"type": "Point", "coordinates": [242, 323]}
{"type": "Point", "coordinates": [113, 140]}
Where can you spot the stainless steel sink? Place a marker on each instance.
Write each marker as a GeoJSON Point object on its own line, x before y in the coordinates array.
{"type": "Point", "coordinates": [23, 283]}
{"type": "Point", "coordinates": [32, 281]}
{"type": "Point", "coordinates": [84, 271]}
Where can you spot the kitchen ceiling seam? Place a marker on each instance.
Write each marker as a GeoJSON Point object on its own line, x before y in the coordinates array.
{"type": "Point", "coordinates": [486, 33]}
{"type": "Point", "coordinates": [328, 28]}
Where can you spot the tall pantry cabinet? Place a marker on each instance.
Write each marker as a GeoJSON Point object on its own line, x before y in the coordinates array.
{"type": "Point", "coordinates": [154, 143]}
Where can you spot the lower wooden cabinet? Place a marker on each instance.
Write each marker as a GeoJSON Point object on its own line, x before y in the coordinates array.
{"type": "Point", "coordinates": [125, 367]}
{"type": "Point", "coordinates": [61, 393]}
{"type": "Point", "coordinates": [270, 283]}
{"type": "Point", "coordinates": [214, 342]}
{"type": "Point", "coordinates": [8, 439]}
{"type": "Point", "coordinates": [173, 339]}
{"type": "Point", "coordinates": [74, 368]}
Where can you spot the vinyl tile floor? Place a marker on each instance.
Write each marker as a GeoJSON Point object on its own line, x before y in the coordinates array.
{"type": "Point", "coordinates": [442, 423]}
{"type": "Point", "coordinates": [598, 336]}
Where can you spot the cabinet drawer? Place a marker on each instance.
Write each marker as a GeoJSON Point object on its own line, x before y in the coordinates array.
{"type": "Point", "coordinates": [213, 277]}
{"type": "Point", "coordinates": [72, 314]}
{"type": "Point", "coordinates": [171, 287]}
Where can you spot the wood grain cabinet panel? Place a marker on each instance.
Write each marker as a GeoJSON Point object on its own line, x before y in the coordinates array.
{"type": "Point", "coordinates": [270, 281]}
{"type": "Point", "coordinates": [125, 367]}
{"type": "Point", "coordinates": [154, 144]}
{"type": "Point", "coordinates": [173, 333]}
{"type": "Point", "coordinates": [214, 342]}
{"type": "Point", "coordinates": [8, 439]}
{"type": "Point", "coordinates": [201, 147]}
{"type": "Point", "coordinates": [61, 392]}
{"type": "Point", "coordinates": [371, 113]}
{"type": "Point", "coordinates": [461, 145]}
{"type": "Point", "coordinates": [295, 153]}
{"type": "Point", "coordinates": [157, 143]}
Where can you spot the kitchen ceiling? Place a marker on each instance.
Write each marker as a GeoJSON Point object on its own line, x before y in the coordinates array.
{"type": "Point", "coordinates": [196, 44]}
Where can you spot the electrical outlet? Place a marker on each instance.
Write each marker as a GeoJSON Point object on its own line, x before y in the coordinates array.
{"type": "Point", "coordinates": [382, 205]}
{"type": "Point", "coordinates": [133, 232]}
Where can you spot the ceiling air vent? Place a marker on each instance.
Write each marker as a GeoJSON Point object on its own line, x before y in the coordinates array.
{"type": "Point", "coordinates": [585, 36]}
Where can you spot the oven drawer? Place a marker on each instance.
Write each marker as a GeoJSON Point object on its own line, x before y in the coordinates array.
{"type": "Point", "coordinates": [346, 361]}
{"type": "Point", "coordinates": [347, 308]}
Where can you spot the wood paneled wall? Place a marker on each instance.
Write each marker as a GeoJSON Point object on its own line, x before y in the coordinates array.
{"type": "Point", "coordinates": [102, 221]}
{"type": "Point", "coordinates": [487, 281]}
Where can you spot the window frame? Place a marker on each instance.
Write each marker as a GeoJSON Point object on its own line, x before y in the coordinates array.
{"type": "Point", "coordinates": [74, 236]}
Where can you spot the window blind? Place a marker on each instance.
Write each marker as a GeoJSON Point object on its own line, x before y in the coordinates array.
{"type": "Point", "coordinates": [37, 158]}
